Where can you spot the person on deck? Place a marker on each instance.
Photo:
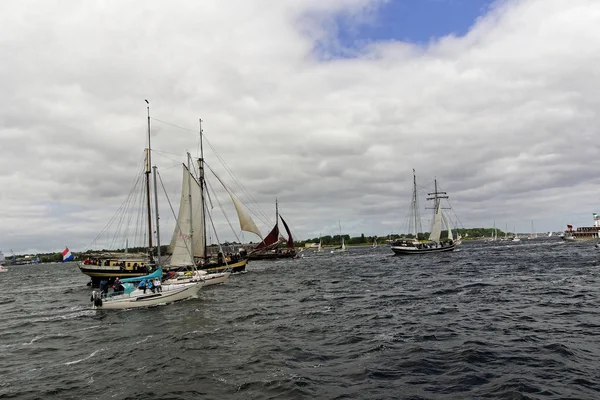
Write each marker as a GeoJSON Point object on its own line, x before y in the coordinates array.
{"type": "Point", "coordinates": [142, 285]}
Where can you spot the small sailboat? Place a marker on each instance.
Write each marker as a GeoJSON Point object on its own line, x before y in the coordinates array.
{"type": "Point", "coordinates": [516, 237]}
{"type": "Point", "coordinates": [342, 248]}
{"type": "Point", "coordinates": [320, 246]}
{"type": "Point", "coordinates": [532, 235]}
{"type": "Point", "coordinates": [374, 245]}
{"type": "Point", "coordinates": [435, 244]}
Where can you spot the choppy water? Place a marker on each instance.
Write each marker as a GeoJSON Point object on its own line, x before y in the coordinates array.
{"type": "Point", "coordinates": [489, 321]}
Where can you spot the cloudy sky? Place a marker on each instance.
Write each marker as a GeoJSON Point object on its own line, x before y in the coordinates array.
{"type": "Point", "coordinates": [326, 105]}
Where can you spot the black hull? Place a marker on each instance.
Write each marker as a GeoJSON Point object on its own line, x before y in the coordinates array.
{"type": "Point", "coordinates": [239, 266]}
{"type": "Point", "coordinates": [408, 251]}
{"type": "Point", "coordinates": [272, 256]}
{"type": "Point", "coordinates": [98, 274]}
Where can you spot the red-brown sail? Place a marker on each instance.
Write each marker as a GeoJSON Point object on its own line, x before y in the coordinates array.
{"type": "Point", "coordinates": [271, 239]}
{"type": "Point", "coordinates": [290, 242]}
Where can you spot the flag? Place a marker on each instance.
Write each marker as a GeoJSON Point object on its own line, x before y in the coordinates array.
{"type": "Point", "coordinates": [67, 256]}
{"type": "Point", "coordinates": [569, 227]}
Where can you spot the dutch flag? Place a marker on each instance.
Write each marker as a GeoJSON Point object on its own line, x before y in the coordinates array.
{"type": "Point", "coordinates": [67, 256]}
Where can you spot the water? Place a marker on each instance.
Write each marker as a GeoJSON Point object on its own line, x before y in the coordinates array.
{"type": "Point", "coordinates": [489, 321]}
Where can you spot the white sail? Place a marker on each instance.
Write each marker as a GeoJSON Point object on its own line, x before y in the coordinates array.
{"type": "Point", "coordinates": [320, 248]}
{"type": "Point", "coordinates": [343, 245]}
{"type": "Point", "coordinates": [246, 222]}
{"type": "Point", "coordinates": [436, 227]}
{"type": "Point", "coordinates": [448, 226]}
{"type": "Point", "coordinates": [181, 247]}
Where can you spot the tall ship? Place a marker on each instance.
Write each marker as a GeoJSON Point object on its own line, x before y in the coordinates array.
{"type": "Point", "coordinates": [188, 244]}
{"type": "Point", "coordinates": [583, 233]}
{"type": "Point", "coordinates": [435, 243]}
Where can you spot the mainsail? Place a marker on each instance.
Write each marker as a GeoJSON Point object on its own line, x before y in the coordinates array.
{"type": "Point", "coordinates": [436, 228]}
{"type": "Point", "coordinates": [181, 245]}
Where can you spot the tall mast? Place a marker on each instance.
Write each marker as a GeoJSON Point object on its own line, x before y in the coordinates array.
{"type": "Point", "coordinates": [157, 217]}
{"type": "Point", "coordinates": [276, 212]}
{"type": "Point", "coordinates": [415, 202]}
{"type": "Point", "coordinates": [148, 170]}
{"type": "Point", "coordinates": [437, 198]}
{"type": "Point", "coordinates": [201, 182]}
{"type": "Point", "coordinates": [191, 209]}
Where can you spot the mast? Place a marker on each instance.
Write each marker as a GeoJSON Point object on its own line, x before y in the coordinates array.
{"type": "Point", "coordinates": [415, 203]}
{"type": "Point", "coordinates": [437, 198]}
{"type": "Point", "coordinates": [148, 163]}
{"type": "Point", "coordinates": [191, 209]}
{"type": "Point", "coordinates": [157, 217]}
{"type": "Point", "coordinates": [201, 182]}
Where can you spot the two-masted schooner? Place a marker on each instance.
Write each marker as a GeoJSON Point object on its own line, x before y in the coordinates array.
{"type": "Point", "coordinates": [434, 244]}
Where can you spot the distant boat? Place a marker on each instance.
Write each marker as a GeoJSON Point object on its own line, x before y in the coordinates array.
{"type": "Point", "coordinates": [584, 233]}
{"type": "Point", "coordinates": [516, 237]}
{"type": "Point", "coordinates": [532, 235]}
{"type": "Point", "coordinates": [435, 244]}
{"type": "Point", "coordinates": [342, 248]}
{"type": "Point", "coordinates": [550, 234]}
{"type": "Point", "coordinates": [320, 246]}
{"type": "Point", "coordinates": [269, 249]}
{"type": "Point", "coordinates": [374, 243]}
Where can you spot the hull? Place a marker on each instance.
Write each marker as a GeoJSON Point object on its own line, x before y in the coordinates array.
{"type": "Point", "coordinates": [400, 250]}
{"type": "Point", "coordinates": [207, 279]}
{"type": "Point", "coordinates": [170, 294]}
{"type": "Point", "coordinates": [239, 266]}
{"type": "Point", "coordinates": [578, 239]}
{"type": "Point", "coordinates": [98, 273]}
{"type": "Point", "coordinates": [269, 255]}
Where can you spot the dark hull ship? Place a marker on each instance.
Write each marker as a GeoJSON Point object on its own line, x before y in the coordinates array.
{"type": "Point", "coordinates": [434, 244]}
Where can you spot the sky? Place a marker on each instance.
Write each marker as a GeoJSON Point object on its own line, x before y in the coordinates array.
{"type": "Point", "coordinates": [326, 106]}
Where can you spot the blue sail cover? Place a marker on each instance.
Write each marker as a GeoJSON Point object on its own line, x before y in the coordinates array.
{"type": "Point", "coordinates": [156, 274]}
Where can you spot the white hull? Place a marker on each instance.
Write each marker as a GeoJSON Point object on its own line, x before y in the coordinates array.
{"type": "Point", "coordinates": [200, 276]}
{"type": "Point", "coordinates": [137, 299]}
{"type": "Point", "coordinates": [3, 269]}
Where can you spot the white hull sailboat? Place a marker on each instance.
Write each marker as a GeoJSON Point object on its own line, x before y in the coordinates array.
{"type": "Point", "coordinates": [434, 244]}
{"type": "Point", "coordinates": [342, 248]}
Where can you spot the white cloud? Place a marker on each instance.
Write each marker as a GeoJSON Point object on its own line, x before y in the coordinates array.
{"type": "Point", "coordinates": [505, 117]}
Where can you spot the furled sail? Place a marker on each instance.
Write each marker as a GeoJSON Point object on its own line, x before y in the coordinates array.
{"type": "Point", "coordinates": [290, 241]}
{"type": "Point", "coordinates": [436, 227]}
{"type": "Point", "coordinates": [181, 245]}
{"type": "Point", "coordinates": [246, 222]}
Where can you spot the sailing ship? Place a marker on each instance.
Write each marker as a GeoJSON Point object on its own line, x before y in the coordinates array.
{"type": "Point", "coordinates": [188, 248]}
{"type": "Point", "coordinates": [125, 294]}
{"type": "Point", "coordinates": [435, 244]}
{"type": "Point", "coordinates": [268, 248]}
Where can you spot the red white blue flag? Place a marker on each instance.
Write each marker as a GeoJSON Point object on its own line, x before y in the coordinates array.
{"type": "Point", "coordinates": [67, 256]}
